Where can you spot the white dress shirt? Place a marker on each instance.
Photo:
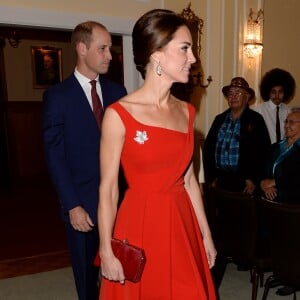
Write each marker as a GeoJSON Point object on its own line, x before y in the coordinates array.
{"type": "Point", "coordinates": [87, 87]}
{"type": "Point", "coordinates": [268, 111]}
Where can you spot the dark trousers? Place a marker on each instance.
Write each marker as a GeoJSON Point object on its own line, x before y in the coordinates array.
{"type": "Point", "coordinates": [83, 249]}
{"type": "Point", "coordinates": [230, 181]}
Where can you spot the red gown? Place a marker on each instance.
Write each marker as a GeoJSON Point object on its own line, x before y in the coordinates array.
{"type": "Point", "coordinates": [157, 215]}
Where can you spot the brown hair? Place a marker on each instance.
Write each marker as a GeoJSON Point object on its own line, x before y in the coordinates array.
{"type": "Point", "coordinates": [152, 31]}
{"type": "Point", "coordinates": [83, 33]}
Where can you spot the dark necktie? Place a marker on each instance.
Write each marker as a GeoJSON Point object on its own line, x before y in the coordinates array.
{"type": "Point", "coordinates": [277, 125]}
{"type": "Point", "coordinates": [97, 105]}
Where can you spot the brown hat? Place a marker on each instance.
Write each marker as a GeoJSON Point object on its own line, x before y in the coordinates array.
{"type": "Point", "coordinates": [238, 82]}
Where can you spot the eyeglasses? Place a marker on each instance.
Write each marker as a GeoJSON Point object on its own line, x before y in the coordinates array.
{"type": "Point", "coordinates": [291, 122]}
{"type": "Point", "coordinates": [235, 94]}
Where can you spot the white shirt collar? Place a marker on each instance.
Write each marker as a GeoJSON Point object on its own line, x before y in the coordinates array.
{"type": "Point", "coordinates": [273, 105]}
{"type": "Point", "coordinates": [86, 86]}
{"type": "Point", "coordinates": [83, 80]}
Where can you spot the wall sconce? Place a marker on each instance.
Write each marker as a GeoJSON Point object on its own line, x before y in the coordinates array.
{"type": "Point", "coordinates": [253, 42]}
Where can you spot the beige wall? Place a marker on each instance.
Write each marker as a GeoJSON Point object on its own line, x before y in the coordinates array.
{"type": "Point", "coordinates": [128, 8]}
{"type": "Point", "coordinates": [222, 55]}
{"type": "Point", "coordinates": [18, 67]}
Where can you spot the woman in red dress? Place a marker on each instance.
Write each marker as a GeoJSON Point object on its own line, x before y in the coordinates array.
{"type": "Point", "coordinates": [150, 132]}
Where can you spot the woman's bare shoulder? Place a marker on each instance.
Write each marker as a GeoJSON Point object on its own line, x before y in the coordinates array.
{"type": "Point", "coordinates": [132, 102]}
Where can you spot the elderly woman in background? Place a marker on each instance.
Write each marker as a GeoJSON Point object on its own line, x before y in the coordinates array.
{"type": "Point", "coordinates": [282, 172]}
{"type": "Point", "coordinates": [282, 181]}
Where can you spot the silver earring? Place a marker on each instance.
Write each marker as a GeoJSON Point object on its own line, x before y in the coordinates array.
{"type": "Point", "coordinates": [158, 69]}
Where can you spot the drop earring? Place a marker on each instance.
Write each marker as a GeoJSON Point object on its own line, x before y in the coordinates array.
{"type": "Point", "coordinates": [158, 69]}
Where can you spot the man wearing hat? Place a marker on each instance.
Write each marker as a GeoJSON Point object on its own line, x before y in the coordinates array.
{"type": "Point", "coordinates": [234, 153]}
{"type": "Point", "coordinates": [237, 142]}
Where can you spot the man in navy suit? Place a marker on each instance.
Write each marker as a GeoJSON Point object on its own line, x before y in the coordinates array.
{"type": "Point", "coordinates": [71, 139]}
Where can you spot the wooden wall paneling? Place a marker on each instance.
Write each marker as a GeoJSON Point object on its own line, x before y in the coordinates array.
{"type": "Point", "coordinates": [4, 156]}
{"type": "Point", "coordinates": [25, 139]}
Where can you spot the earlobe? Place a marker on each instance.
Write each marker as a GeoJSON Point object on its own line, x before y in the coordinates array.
{"type": "Point", "coordinates": [154, 58]}
{"type": "Point", "coordinates": [157, 55]}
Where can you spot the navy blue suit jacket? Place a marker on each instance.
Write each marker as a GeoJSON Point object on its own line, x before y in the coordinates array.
{"type": "Point", "coordinates": [71, 140]}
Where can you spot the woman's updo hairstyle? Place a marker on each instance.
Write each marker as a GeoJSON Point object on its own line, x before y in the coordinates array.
{"type": "Point", "coordinates": [152, 31]}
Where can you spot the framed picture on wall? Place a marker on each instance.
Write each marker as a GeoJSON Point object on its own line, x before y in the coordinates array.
{"type": "Point", "coordinates": [46, 66]}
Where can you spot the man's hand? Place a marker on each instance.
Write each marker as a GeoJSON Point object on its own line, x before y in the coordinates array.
{"type": "Point", "coordinates": [80, 219]}
{"type": "Point", "coordinates": [250, 187]}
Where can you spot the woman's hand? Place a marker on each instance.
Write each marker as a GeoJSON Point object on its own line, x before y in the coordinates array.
{"type": "Point", "coordinates": [210, 250]}
{"type": "Point", "coordinates": [112, 269]}
{"type": "Point", "coordinates": [267, 183]}
{"type": "Point", "coordinates": [269, 188]}
{"type": "Point", "coordinates": [270, 193]}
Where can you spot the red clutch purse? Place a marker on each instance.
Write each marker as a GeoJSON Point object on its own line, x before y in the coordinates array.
{"type": "Point", "coordinates": [132, 258]}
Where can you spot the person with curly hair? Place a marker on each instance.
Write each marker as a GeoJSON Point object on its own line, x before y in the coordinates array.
{"type": "Point", "coordinates": [277, 88]}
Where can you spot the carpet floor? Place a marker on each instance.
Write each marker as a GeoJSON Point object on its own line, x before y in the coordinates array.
{"type": "Point", "coordinates": [59, 285]}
